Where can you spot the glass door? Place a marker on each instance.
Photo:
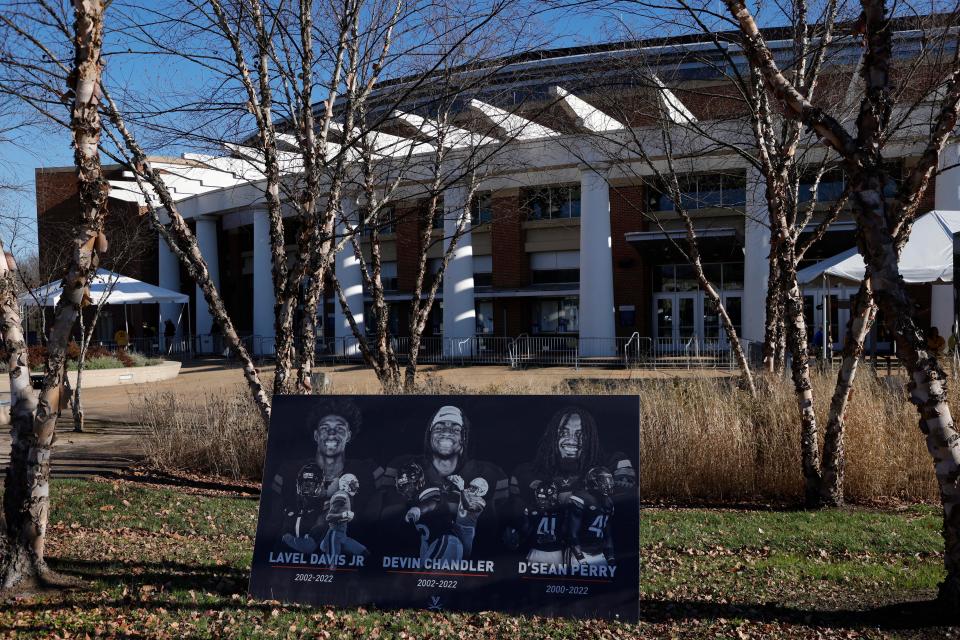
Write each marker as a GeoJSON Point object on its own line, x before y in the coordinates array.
{"type": "Point", "coordinates": [677, 319]}
{"type": "Point", "coordinates": [687, 317]}
{"type": "Point", "coordinates": [663, 321]}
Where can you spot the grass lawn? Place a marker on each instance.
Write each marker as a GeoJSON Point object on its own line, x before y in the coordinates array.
{"type": "Point", "coordinates": [163, 563]}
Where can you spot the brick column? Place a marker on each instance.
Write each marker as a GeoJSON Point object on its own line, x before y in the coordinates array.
{"type": "Point", "coordinates": [511, 266]}
{"type": "Point", "coordinates": [631, 280]}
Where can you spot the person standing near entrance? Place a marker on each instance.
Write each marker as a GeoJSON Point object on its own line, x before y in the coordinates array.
{"type": "Point", "coordinates": [169, 333]}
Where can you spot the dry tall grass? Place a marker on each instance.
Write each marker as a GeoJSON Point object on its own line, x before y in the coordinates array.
{"type": "Point", "coordinates": [706, 439]}
{"type": "Point", "coordinates": [700, 438]}
{"type": "Point", "coordinates": [220, 435]}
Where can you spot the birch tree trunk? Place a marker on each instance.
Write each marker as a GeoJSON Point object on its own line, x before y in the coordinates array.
{"type": "Point", "coordinates": [862, 314]}
{"type": "Point", "coordinates": [878, 236]}
{"type": "Point", "coordinates": [184, 246]}
{"type": "Point", "coordinates": [27, 490]}
{"type": "Point", "coordinates": [773, 322]}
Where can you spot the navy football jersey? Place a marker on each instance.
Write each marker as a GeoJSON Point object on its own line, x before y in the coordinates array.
{"type": "Point", "coordinates": [589, 522]}
{"type": "Point", "coordinates": [544, 528]}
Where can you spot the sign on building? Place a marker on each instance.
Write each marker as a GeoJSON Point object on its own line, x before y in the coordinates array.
{"type": "Point", "coordinates": [524, 504]}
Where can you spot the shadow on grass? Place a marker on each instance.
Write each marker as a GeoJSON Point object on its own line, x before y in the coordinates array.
{"type": "Point", "coordinates": [903, 616]}
{"type": "Point", "coordinates": [160, 478]}
{"type": "Point", "coordinates": [226, 582]}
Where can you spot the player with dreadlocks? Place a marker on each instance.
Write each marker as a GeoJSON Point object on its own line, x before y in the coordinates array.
{"type": "Point", "coordinates": [448, 472]}
{"type": "Point", "coordinates": [567, 450]}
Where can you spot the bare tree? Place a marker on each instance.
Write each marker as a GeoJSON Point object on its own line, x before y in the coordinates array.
{"type": "Point", "coordinates": [747, 125]}
{"type": "Point", "coordinates": [624, 144]}
{"type": "Point", "coordinates": [428, 178]}
{"type": "Point", "coordinates": [883, 224]}
{"type": "Point", "coordinates": [33, 420]}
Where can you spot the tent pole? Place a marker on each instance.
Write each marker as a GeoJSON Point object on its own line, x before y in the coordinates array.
{"type": "Point", "coordinates": [190, 330]}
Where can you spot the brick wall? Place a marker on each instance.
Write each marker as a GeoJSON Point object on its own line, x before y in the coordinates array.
{"type": "Point", "coordinates": [407, 228]}
{"type": "Point", "coordinates": [511, 266]}
{"type": "Point", "coordinates": [133, 245]}
{"type": "Point", "coordinates": [631, 279]}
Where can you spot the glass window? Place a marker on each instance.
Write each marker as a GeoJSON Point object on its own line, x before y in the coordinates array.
{"type": "Point", "coordinates": [734, 305]}
{"type": "Point", "coordinates": [553, 202]}
{"type": "Point", "coordinates": [734, 189]}
{"type": "Point", "coordinates": [481, 209]}
{"type": "Point", "coordinates": [569, 201]}
{"type": "Point", "coordinates": [711, 319]}
{"type": "Point", "coordinates": [663, 278]}
{"type": "Point", "coordinates": [687, 278]}
{"type": "Point", "coordinates": [485, 318]}
{"type": "Point", "coordinates": [570, 314]}
{"type": "Point", "coordinates": [556, 316]}
{"type": "Point", "coordinates": [727, 276]}
{"type": "Point", "coordinates": [704, 190]}
{"type": "Point", "coordinates": [555, 276]}
{"type": "Point", "coordinates": [710, 190]}
{"type": "Point", "coordinates": [665, 318]}
{"type": "Point", "coordinates": [537, 204]}
{"type": "Point", "coordinates": [732, 276]}
{"type": "Point", "coordinates": [383, 220]}
{"type": "Point", "coordinates": [831, 186]}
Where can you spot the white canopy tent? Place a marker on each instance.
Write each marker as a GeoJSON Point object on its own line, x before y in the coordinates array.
{"type": "Point", "coordinates": [107, 287]}
{"type": "Point", "coordinates": [927, 256]}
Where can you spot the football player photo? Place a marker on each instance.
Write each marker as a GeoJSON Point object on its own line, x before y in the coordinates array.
{"type": "Point", "coordinates": [589, 520]}
{"type": "Point", "coordinates": [569, 448]}
{"type": "Point", "coordinates": [435, 513]}
{"type": "Point", "coordinates": [453, 501]}
{"type": "Point", "coordinates": [542, 527]}
{"type": "Point", "coordinates": [335, 541]}
{"type": "Point", "coordinates": [321, 495]}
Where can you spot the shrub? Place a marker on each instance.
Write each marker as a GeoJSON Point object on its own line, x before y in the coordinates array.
{"type": "Point", "coordinates": [700, 438]}
{"type": "Point", "coordinates": [219, 434]}
{"type": "Point", "coordinates": [101, 362]}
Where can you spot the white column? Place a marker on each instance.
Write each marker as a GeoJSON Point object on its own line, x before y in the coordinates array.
{"type": "Point", "coordinates": [350, 275]}
{"type": "Point", "coordinates": [459, 310]}
{"type": "Point", "coordinates": [207, 242]}
{"type": "Point", "coordinates": [263, 297]}
{"type": "Point", "coordinates": [169, 278]}
{"type": "Point", "coordinates": [947, 192]}
{"type": "Point", "coordinates": [756, 251]}
{"type": "Point", "coordinates": [941, 308]}
{"type": "Point", "coordinates": [597, 320]}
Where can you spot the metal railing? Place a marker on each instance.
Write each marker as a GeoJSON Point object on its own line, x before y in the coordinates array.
{"type": "Point", "coordinates": [632, 352]}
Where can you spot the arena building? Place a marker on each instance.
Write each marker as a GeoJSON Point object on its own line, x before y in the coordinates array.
{"type": "Point", "coordinates": [569, 241]}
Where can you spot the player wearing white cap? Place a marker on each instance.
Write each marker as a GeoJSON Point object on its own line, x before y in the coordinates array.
{"type": "Point", "coordinates": [449, 472]}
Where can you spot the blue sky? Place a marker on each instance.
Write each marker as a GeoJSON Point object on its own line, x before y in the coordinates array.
{"type": "Point", "coordinates": [49, 146]}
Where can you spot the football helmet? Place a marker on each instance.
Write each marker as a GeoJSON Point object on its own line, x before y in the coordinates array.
{"type": "Point", "coordinates": [477, 487]}
{"type": "Point", "coordinates": [311, 487]}
{"type": "Point", "coordinates": [546, 495]}
{"type": "Point", "coordinates": [349, 484]}
{"type": "Point", "coordinates": [410, 480]}
{"type": "Point", "coordinates": [600, 479]}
